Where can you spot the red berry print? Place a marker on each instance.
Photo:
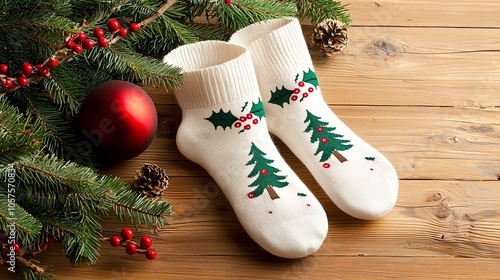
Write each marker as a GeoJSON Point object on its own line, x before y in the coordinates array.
{"type": "Point", "coordinates": [146, 242]}
{"type": "Point", "coordinates": [242, 119]}
{"type": "Point", "coordinates": [151, 254]}
{"type": "Point", "coordinates": [305, 94]}
{"type": "Point", "coordinates": [80, 37]}
{"type": "Point", "coordinates": [251, 195]}
{"type": "Point", "coordinates": [255, 121]}
{"type": "Point", "coordinates": [247, 127]}
{"type": "Point", "coordinates": [134, 27]}
{"type": "Point", "coordinates": [131, 249]}
{"type": "Point", "coordinates": [42, 70]}
{"type": "Point", "coordinates": [249, 116]}
{"type": "Point", "coordinates": [113, 25]}
{"type": "Point", "coordinates": [27, 68]}
{"type": "Point", "coordinates": [324, 140]}
{"type": "Point", "coordinates": [308, 205]}
{"type": "Point", "coordinates": [371, 169]}
{"type": "Point", "coordinates": [99, 32]}
{"type": "Point", "coordinates": [301, 84]}
{"type": "Point", "coordinates": [326, 165]}
{"type": "Point", "coordinates": [22, 81]}
{"type": "Point", "coordinates": [270, 212]}
{"type": "Point", "coordinates": [115, 241]}
{"type": "Point", "coordinates": [70, 44]}
{"type": "Point", "coordinates": [126, 234]}
{"type": "Point", "coordinates": [123, 32]}
{"type": "Point", "coordinates": [16, 248]}
{"type": "Point", "coordinates": [102, 42]}
{"type": "Point", "coordinates": [237, 125]}
{"type": "Point", "coordinates": [311, 89]}
{"type": "Point", "coordinates": [52, 63]}
{"type": "Point", "coordinates": [320, 129]}
{"type": "Point", "coordinates": [296, 90]}
{"type": "Point", "coordinates": [77, 48]}
{"type": "Point", "coordinates": [263, 171]}
{"type": "Point", "coordinates": [3, 68]}
{"type": "Point", "coordinates": [88, 44]}
{"type": "Point", "coordinates": [294, 98]}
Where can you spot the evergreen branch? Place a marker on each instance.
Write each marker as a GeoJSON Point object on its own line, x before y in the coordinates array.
{"type": "Point", "coordinates": [11, 214]}
{"type": "Point", "coordinates": [319, 10]}
{"type": "Point", "coordinates": [31, 270]}
{"type": "Point", "coordinates": [60, 94]}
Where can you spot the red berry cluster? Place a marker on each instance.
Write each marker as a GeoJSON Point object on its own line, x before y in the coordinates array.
{"type": "Point", "coordinates": [16, 247]}
{"type": "Point", "coordinates": [131, 247]}
{"type": "Point", "coordinates": [76, 44]}
{"type": "Point", "coordinates": [301, 88]}
{"type": "Point", "coordinates": [246, 121]}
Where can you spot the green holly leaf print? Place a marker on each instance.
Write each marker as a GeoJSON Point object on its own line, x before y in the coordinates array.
{"type": "Point", "coordinates": [310, 77]}
{"type": "Point", "coordinates": [280, 96]}
{"type": "Point", "coordinates": [258, 109]}
{"type": "Point", "coordinates": [222, 119]}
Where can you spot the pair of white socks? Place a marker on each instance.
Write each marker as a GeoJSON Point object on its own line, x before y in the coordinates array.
{"type": "Point", "coordinates": [262, 81]}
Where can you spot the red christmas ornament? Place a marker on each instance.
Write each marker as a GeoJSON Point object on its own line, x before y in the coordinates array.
{"type": "Point", "coordinates": [88, 44]}
{"type": "Point", "coordinates": [99, 32]}
{"type": "Point", "coordinates": [102, 42]}
{"type": "Point", "coordinates": [123, 32]}
{"type": "Point", "coordinates": [113, 25]}
{"type": "Point", "coordinates": [52, 63]}
{"type": "Point", "coordinates": [134, 27]}
{"type": "Point", "coordinates": [3, 68]}
{"type": "Point", "coordinates": [119, 118]}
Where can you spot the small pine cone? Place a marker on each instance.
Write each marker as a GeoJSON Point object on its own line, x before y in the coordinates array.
{"type": "Point", "coordinates": [151, 180]}
{"type": "Point", "coordinates": [330, 36]}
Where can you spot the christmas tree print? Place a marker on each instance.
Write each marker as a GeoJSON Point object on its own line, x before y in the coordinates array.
{"type": "Point", "coordinates": [267, 177]}
{"type": "Point", "coordinates": [243, 122]}
{"type": "Point", "coordinates": [330, 143]}
{"type": "Point", "coordinates": [302, 89]}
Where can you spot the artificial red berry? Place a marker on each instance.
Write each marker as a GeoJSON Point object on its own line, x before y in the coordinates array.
{"type": "Point", "coordinates": [113, 25]}
{"type": "Point", "coordinates": [310, 89]}
{"type": "Point", "coordinates": [22, 81]}
{"type": "Point", "coordinates": [324, 140]}
{"type": "Point", "coordinates": [52, 63]}
{"type": "Point", "coordinates": [151, 254]}
{"type": "Point", "coordinates": [251, 195]}
{"type": "Point", "coordinates": [134, 27]}
{"type": "Point", "coordinates": [228, 2]}
{"type": "Point", "coordinates": [131, 249]}
{"type": "Point", "coordinates": [6, 83]}
{"type": "Point", "coordinates": [255, 121]}
{"type": "Point", "coordinates": [126, 234]}
{"type": "Point", "coordinates": [88, 44]}
{"type": "Point", "coordinates": [27, 68]}
{"type": "Point", "coordinates": [294, 98]}
{"type": "Point", "coordinates": [326, 165]}
{"type": "Point", "coordinates": [102, 42]}
{"type": "Point", "coordinates": [99, 32]}
{"type": "Point", "coordinates": [123, 32]}
{"type": "Point", "coordinates": [15, 247]}
{"type": "Point", "coordinates": [77, 48]}
{"type": "Point", "coordinates": [249, 116]}
{"type": "Point", "coordinates": [305, 94]}
{"type": "Point", "coordinates": [320, 129]}
{"type": "Point", "coordinates": [42, 70]}
{"type": "Point", "coordinates": [51, 240]}
{"type": "Point", "coordinates": [297, 90]}
{"type": "Point", "coordinates": [70, 44]}
{"type": "Point", "coordinates": [247, 127]}
{"type": "Point", "coordinates": [3, 68]}
{"type": "Point", "coordinates": [301, 84]}
{"type": "Point", "coordinates": [237, 125]}
{"type": "Point", "coordinates": [146, 242]}
{"type": "Point", "coordinates": [242, 119]}
{"type": "Point", "coordinates": [42, 248]}
{"type": "Point", "coordinates": [263, 171]}
{"type": "Point", "coordinates": [80, 37]}
{"type": "Point", "coordinates": [115, 241]}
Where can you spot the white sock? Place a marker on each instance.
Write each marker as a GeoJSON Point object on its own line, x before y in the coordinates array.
{"type": "Point", "coordinates": [356, 177]}
{"type": "Point", "coordinates": [224, 130]}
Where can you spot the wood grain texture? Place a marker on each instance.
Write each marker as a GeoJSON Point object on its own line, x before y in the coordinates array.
{"type": "Point", "coordinates": [419, 81]}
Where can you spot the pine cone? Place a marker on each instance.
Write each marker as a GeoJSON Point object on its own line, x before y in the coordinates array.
{"type": "Point", "coordinates": [330, 36]}
{"type": "Point", "coordinates": [151, 180]}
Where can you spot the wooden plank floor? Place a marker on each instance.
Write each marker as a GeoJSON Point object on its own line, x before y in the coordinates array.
{"type": "Point", "coordinates": [420, 81]}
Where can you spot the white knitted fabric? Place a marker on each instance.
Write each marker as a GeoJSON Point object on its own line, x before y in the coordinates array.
{"type": "Point", "coordinates": [224, 130]}
{"type": "Point", "coordinates": [356, 177]}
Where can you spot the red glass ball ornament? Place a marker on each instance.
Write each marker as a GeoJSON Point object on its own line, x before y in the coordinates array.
{"type": "Point", "coordinates": [113, 25]}
{"type": "Point", "coordinates": [119, 119]}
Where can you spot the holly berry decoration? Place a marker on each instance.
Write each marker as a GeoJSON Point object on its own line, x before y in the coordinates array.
{"type": "Point", "coordinates": [134, 27]}
{"type": "Point", "coordinates": [42, 70]}
{"type": "Point", "coordinates": [123, 32]}
{"type": "Point", "coordinates": [102, 42]}
{"type": "Point", "coordinates": [54, 62]}
{"type": "Point", "coordinates": [3, 68]}
{"type": "Point", "coordinates": [27, 68]}
{"type": "Point", "coordinates": [22, 81]}
{"type": "Point", "coordinates": [119, 118]}
{"type": "Point", "coordinates": [77, 48]}
{"type": "Point", "coordinates": [245, 121]}
{"type": "Point", "coordinates": [132, 247]}
{"type": "Point", "coordinates": [301, 90]}
{"type": "Point", "coordinates": [88, 44]}
{"type": "Point", "coordinates": [99, 32]}
{"type": "Point", "coordinates": [113, 25]}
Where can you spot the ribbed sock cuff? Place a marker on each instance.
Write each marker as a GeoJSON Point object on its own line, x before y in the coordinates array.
{"type": "Point", "coordinates": [214, 72]}
{"type": "Point", "coordinates": [277, 47]}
